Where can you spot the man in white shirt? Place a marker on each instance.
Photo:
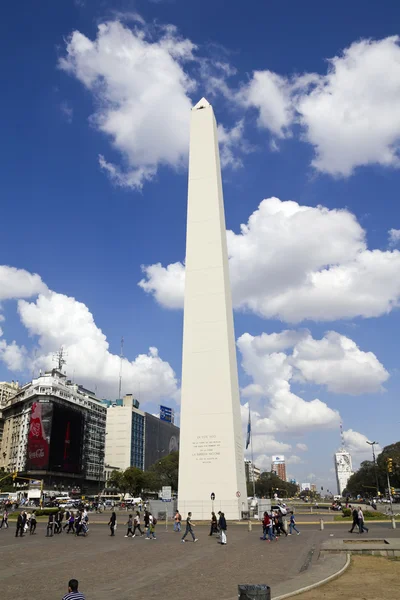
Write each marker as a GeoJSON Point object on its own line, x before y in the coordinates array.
{"type": "Point", "coordinates": [361, 525]}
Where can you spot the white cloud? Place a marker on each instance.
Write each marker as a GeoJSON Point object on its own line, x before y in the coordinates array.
{"type": "Point", "coordinates": [230, 141]}
{"type": "Point", "coordinates": [294, 460]}
{"type": "Point", "coordinates": [356, 444]}
{"type": "Point", "coordinates": [336, 362]}
{"type": "Point", "coordinates": [295, 262]}
{"type": "Point", "coordinates": [141, 94]}
{"type": "Point", "coordinates": [302, 447]}
{"type": "Point", "coordinates": [18, 283]}
{"type": "Point", "coordinates": [351, 115]}
{"type": "Point", "coordinates": [394, 237]}
{"type": "Point", "coordinates": [59, 320]}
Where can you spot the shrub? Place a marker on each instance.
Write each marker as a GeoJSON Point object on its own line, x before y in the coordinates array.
{"type": "Point", "coordinates": [346, 512]}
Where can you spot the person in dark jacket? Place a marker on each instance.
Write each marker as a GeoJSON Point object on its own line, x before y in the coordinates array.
{"type": "Point", "coordinates": [355, 520]}
{"type": "Point", "coordinates": [214, 524]}
{"type": "Point", "coordinates": [112, 522]}
{"type": "Point", "coordinates": [33, 523]}
{"type": "Point", "coordinates": [21, 520]}
{"type": "Point", "coordinates": [222, 527]}
{"type": "Point", "coordinates": [50, 525]}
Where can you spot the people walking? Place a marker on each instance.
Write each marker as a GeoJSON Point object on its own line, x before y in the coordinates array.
{"type": "Point", "coordinates": [71, 523]}
{"type": "Point", "coordinates": [33, 523]}
{"type": "Point", "coordinates": [4, 520]}
{"type": "Point", "coordinates": [50, 525]}
{"type": "Point", "coordinates": [354, 514]}
{"type": "Point", "coordinates": [66, 517]}
{"type": "Point", "coordinates": [361, 525]}
{"type": "Point", "coordinates": [267, 528]}
{"type": "Point", "coordinates": [189, 525]}
{"type": "Point", "coordinates": [113, 523]}
{"type": "Point", "coordinates": [129, 523]}
{"type": "Point", "coordinates": [222, 527]}
{"type": "Point", "coordinates": [58, 522]}
{"type": "Point", "coordinates": [73, 593]}
{"type": "Point", "coordinates": [214, 524]}
{"type": "Point", "coordinates": [292, 525]}
{"type": "Point", "coordinates": [21, 520]}
{"type": "Point", "coordinates": [151, 528]}
{"type": "Point", "coordinates": [136, 524]}
{"type": "Point", "coordinates": [177, 521]}
{"type": "Point", "coordinates": [280, 523]}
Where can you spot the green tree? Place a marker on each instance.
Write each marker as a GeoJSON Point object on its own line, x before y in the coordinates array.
{"type": "Point", "coordinates": [268, 484]}
{"type": "Point", "coordinates": [165, 471]}
{"type": "Point", "coordinates": [134, 480]}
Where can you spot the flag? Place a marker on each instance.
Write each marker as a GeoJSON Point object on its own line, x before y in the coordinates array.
{"type": "Point", "coordinates": [248, 432]}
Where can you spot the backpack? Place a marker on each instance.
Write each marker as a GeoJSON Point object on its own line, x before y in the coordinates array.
{"type": "Point", "coordinates": [154, 521]}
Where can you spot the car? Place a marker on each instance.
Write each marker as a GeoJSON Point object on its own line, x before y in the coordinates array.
{"type": "Point", "coordinates": [281, 508]}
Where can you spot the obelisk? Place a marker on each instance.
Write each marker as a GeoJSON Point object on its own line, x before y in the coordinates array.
{"type": "Point", "coordinates": [211, 442]}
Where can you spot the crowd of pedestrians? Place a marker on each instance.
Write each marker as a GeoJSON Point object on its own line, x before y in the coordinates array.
{"type": "Point", "coordinates": [273, 526]}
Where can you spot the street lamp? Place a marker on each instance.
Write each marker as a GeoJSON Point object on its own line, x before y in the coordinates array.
{"type": "Point", "coordinates": [372, 444]}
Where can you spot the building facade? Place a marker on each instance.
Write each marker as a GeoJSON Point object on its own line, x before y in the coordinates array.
{"type": "Point", "coordinates": [278, 466]}
{"type": "Point", "coordinates": [252, 472]}
{"type": "Point", "coordinates": [7, 391]}
{"type": "Point", "coordinates": [55, 430]}
{"type": "Point", "coordinates": [135, 438]}
{"type": "Point", "coordinates": [343, 469]}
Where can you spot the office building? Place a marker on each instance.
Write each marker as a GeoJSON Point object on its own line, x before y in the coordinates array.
{"type": "Point", "coordinates": [54, 430]}
{"type": "Point", "coordinates": [136, 438]}
{"type": "Point", "coordinates": [252, 472]}
{"type": "Point", "coordinates": [343, 469]}
{"type": "Point", "coordinates": [7, 391]}
{"type": "Point", "coordinates": [278, 466]}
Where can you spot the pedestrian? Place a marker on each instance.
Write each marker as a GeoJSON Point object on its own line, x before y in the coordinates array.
{"type": "Point", "coordinates": [151, 528]}
{"type": "Point", "coordinates": [4, 520]}
{"type": "Point", "coordinates": [275, 521]}
{"type": "Point", "coordinates": [355, 519]}
{"type": "Point", "coordinates": [146, 519]}
{"type": "Point", "coordinates": [361, 525]}
{"type": "Point", "coordinates": [27, 522]}
{"type": "Point", "coordinates": [73, 593]}
{"type": "Point", "coordinates": [21, 520]}
{"type": "Point", "coordinates": [280, 523]}
{"type": "Point", "coordinates": [136, 524]}
{"type": "Point", "coordinates": [292, 525]}
{"type": "Point", "coordinates": [214, 524]}
{"type": "Point", "coordinates": [58, 522]}
{"type": "Point", "coordinates": [267, 528]}
{"type": "Point", "coordinates": [129, 523]}
{"type": "Point", "coordinates": [222, 527]}
{"type": "Point", "coordinates": [33, 524]}
{"type": "Point", "coordinates": [78, 522]}
{"type": "Point", "coordinates": [177, 523]}
{"type": "Point", "coordinates": [50, 525]}
{"type": "Point", "coordinates": [66, 516]}
{"type": "Point", "coordinates": [71, 523]}
{"type": "Point", "coordinates": [189, 525]}
{"type": "Point", "coordinates": [113, 523]}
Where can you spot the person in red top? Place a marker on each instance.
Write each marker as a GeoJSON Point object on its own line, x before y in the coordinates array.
{"type": "Point", "coordinates": [267, 528]}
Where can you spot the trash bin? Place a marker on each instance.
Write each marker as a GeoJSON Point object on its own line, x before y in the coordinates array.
{"type": "Point", "coordinates": [254, 592]}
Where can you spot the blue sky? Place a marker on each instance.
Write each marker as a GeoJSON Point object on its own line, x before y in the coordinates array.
{"type": "Point", "coordinates": [94, 119]}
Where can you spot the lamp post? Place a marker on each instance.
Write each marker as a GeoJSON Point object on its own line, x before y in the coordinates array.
{"type": "Point", "coordinates": [372, 444]}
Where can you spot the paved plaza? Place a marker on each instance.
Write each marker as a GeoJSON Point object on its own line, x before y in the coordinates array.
{"type": "Point", "coordinates": [39, 567]}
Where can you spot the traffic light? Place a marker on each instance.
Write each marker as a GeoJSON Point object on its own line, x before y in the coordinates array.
{"type": "Point", "coordinates": [392, 491]}
{"type": "Point", "coordinates": [389, 462]}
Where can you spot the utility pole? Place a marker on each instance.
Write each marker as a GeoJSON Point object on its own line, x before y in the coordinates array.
{"type": "Point", "coordinates": [372, 444]}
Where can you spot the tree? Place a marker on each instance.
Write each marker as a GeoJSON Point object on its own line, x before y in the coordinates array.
{"type": "Point", "coordinates": [165, 471]}
{"type": "Point", "coordinates": [134, 480]}
{"type": "Point", "coordinates": [268, 484]}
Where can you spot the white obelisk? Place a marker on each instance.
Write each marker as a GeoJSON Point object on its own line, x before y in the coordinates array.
{"type": "Point", "coordinates": [211, 441]}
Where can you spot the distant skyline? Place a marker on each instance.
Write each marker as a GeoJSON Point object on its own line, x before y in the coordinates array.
{"type": "Point", "coordinates": [95, 115]}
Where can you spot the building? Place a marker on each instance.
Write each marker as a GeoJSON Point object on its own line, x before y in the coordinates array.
{"type": "Point", "coordinates": [7, 391]}
{"type": "Point", "coordinates": [125, 433]}
{"type": "Point", "coordinates": [278, 466]}
{"type": "Point", "coordinates": [343, 469]}
{"type": "Point", "coordinates": [313, 487]}
{"type": "Point", "coordinates": [305, 487]}
{"type": "Point", "coordinates": [54, 430]}
{"type": "Point", "coordinates": [136, 438]}
{"type": "Point", "coordinates": [211, 458]}
{"type": "Point", "coordinates": [252, 472]}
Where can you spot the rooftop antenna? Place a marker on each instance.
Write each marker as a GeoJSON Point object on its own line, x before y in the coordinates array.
{"type": "Point", "coordinates": [120, 368]}
{"type": "Point", "coordinates": [342, 437]}
{"type": "Point", "coordinates": [59, 357]}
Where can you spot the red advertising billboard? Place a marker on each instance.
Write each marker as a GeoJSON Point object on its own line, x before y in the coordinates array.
{"type": "Point", "coordinates": [39, 436]}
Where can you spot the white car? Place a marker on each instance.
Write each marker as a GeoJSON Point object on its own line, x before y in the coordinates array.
{"type": "Point", "coordinates": [278, 507]}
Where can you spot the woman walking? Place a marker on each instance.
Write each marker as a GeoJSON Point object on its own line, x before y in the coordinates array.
{"type": "Point", "coordinates": [136, 524]}
{"type": "Point", "coordinates": [33, 523]}
{"type": "Point", "coordinates": [214, 524]}
{"type": "Point", "coordinates": [112, 523]}
{"type": "Point", "coordinates": [222, 527]}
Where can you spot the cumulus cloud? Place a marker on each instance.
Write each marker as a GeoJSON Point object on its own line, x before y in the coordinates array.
{"type": "Point", "coordinates": [356, 444]}
{"type": "Point", "coordinates": [295, 262]}
{"type": "Point", "coordinates": [394, 237]}
{"type": "Point", "coordinates": [140, 90]}
{"type": "Point", "coordinates": [302, 447]}
{"type": "Point", "coordinates": [55, 320]}
{"type": "Point", "coordinates": [350, 115]}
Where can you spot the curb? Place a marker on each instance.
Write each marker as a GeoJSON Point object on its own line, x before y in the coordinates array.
{"type": "Point", "coordinates": [307, 588]}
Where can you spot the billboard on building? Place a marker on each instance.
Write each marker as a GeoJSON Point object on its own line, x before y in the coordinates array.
{"type": "Point", "coordinates": [66, 440]}
{"type": "Point", "coordinates": [161, 438]}
{"type": "Point", "coordinates": [166, 414]}
{"type": "Point", "coordinates": [278, 459]}
{"type": "Point", "coordinates": [305, 487]}
{"type": "Point", "coordinates": [39, 434]}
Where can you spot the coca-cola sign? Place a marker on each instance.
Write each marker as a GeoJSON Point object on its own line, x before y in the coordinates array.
{"type": "Point", "coordinates": [39, 436]}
